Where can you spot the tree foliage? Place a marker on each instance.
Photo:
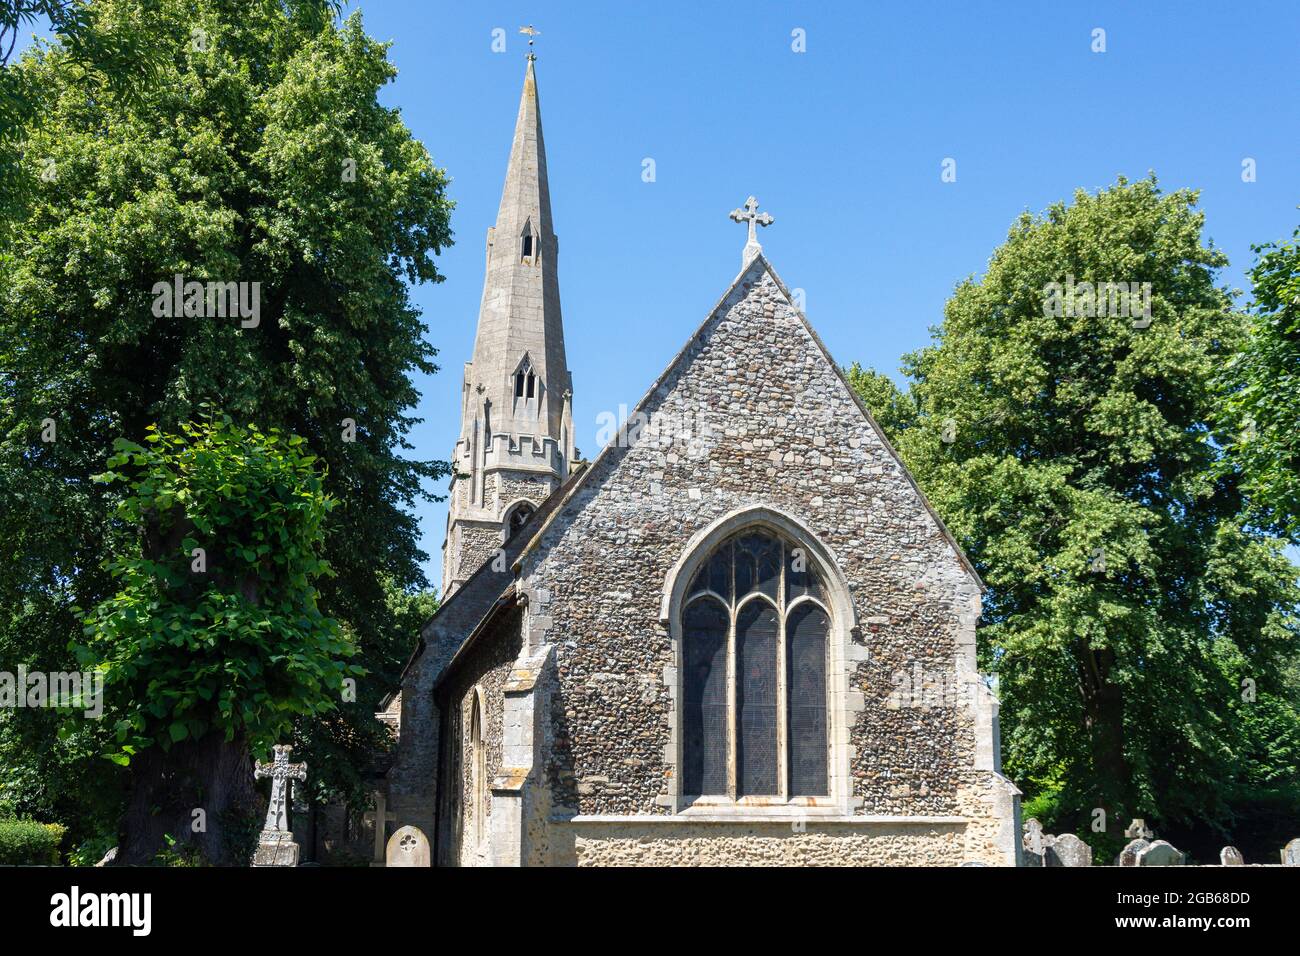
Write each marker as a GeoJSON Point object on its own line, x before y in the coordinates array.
{"type": "Point", "coordinates": [258, 153]}
{"type": "Point", "coordinates": [893, 409]}
{"type": "Point", "coordinates": [115, 60]}
{"type": "Point", "coordinates": [1263, 384]}
{"type": "Point", "coordinates": [215, 626]}
{"type": "Point", "coordinates": [1077, 459]}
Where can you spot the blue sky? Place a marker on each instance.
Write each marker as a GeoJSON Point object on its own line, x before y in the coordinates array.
{"type": "Point", "coordinates": [843, 144]}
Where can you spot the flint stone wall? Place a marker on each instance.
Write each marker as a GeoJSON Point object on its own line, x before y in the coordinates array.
{"type": "Point", "coordinates": [756, 844]}
{"type": "Point", "coordinates": [485, 666]}
{"type": "Point", "coordinates": [772, 425]}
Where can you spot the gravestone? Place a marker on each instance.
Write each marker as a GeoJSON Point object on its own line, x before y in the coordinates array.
{"type": "Point", "coordinates": [1160, 853]}
{"type": "Point", "coordinates": [1231, 856]}
{"type": "Point", "coordinates": [275, 845]}
{"type": "Point", "coordinates": [1033, 843]}
{"type": "Point", "coordinates": [1068, 850]}
{"type": "Point", "coordinates": [379, 818]}
{"type": "Point", "coordinates": [1129, 855]}
{"type": "Point", "coordinates": [1291, 853]}
{"type": "Point", "coordinates": [1137, 830]}
{"type": "Point", "coordinates": [408, 847]}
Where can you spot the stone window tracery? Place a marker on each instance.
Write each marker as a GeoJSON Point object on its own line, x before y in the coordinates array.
{"type": "Point", "coordinates": [755, 627]}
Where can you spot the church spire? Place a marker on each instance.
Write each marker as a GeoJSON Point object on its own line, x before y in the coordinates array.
{"type": "Point", "coordinates": [519, 318]}
{"type": "Point", "coordinates": [516, 440]}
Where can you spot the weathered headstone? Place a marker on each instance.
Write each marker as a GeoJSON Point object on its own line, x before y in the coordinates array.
{"type": "Point", "coordinates": [408, 847]}
{"type": "Point", "coordinates": [1291, 853]}
{"type": "Point", "coordinates": [1231, 856]}
{"type": "Point", "coordinates": [1160, 853]}
{"type": "Point", "coordinates": [275, 845]}
{"type": "Point", "coordinates": [1137, 830]}
{"type": "Point", "coordinates": [1068, 850]}
{"type": "Point", "coordinates": [1033, 843]}
{"type": "Point", "coordinates": [1129, 855]}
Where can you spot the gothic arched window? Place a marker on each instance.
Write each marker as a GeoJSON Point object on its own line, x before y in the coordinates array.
{"type": "Point", "coordinates": [526, 381]}
{"type": "Point", "coordinates": [526, 242]}
{"type": "Point", "coordinates": [754, 627]}
{"type": "Point", "coordinates": [518, 518]}
{"type": "Point", "coordinates": [478, 772]}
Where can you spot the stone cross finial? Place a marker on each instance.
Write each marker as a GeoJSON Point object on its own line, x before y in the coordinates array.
{"type": "Point", "coordinates": [281, 772]}
{"type": "Point", "coordinates": [749, 213]}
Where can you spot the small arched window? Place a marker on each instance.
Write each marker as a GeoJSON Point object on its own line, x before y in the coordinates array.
{"type": "Point", "coordinates": [526, 242]}
{"type": "Point", "coordinates": [754, 629]}
{"type": "Point", "coordinates": [517, 518]}
{"type": "Point", "coordinates": [478, 772]}
{"type": "Point", "coordinates": [526, 381]}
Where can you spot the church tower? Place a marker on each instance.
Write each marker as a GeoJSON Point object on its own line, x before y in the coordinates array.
{"type": "Point", "coordinates": [516, 432]}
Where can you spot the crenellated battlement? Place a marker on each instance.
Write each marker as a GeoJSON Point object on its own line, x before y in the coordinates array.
{"type": "Point", "coordinates": [519, 452]}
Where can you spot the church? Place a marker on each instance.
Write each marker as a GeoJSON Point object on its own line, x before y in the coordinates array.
{"type": "Point", "coordinates": [738, 635]}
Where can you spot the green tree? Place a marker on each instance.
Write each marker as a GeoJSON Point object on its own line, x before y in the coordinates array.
{"type": "Point", "coordinates": [1263, 384]}
{"type": "Point", "coordinates": [110, 59]}
{"type": "Point", "coordinates": [214, 641]}
{"type": "Point", "coordinates": [893, 409]}
{"type": "Point", "coordinates": [1075, 454]}
{"type": "Point", "coordinates": [408, 610]}
{"type": "Point", "coordinates": [260, 155]}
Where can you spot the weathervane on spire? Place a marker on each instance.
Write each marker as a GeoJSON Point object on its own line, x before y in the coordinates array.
{"type": "Point", "coordinates": [530, 31]}
{"type": "Point", "coordinates": [750, 214]}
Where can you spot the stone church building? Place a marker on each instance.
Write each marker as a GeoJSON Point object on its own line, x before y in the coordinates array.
{"type": "Point", "coordinates": [738, 635]}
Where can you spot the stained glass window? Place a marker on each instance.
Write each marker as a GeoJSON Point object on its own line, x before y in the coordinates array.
{"type": "Point", "coordinates": [762, 659]}
{"type": "Point", "coordinates": [720, 572]}
{"type": "Point", "coordinates": [756, 677]}
{"type": "Point", "coordinates": [807, 628]}
{"type": "Point", "coordinates": [704, 750]}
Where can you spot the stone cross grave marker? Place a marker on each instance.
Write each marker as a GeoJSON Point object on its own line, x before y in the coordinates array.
{"type": "Point", "coordinates": [379, 817]}
{"type": "Point", "coordinates": [1137, 830]}
{"type": "Point", "coordinates": [1033, 842]}
{"type": "Point", "coordinates": [281, 772]}
{"type": "Point", "coordinates": [275, 846]}
{"type": "Point", "coordinates": [408, 847]}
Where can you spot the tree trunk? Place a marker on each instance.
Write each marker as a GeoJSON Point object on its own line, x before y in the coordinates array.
{"type": "Point", "coordinates": [1103, 708]}
{"type": "Point", "coordinates": [211, 775]}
